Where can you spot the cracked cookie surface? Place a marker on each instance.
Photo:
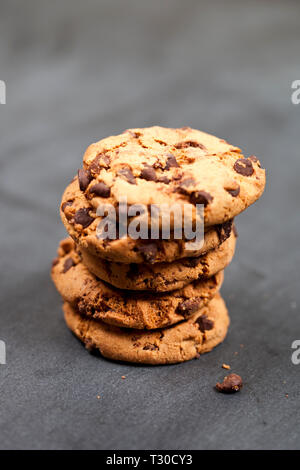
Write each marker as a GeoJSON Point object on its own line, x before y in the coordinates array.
{"type": "Point", "coordinates": [158, 165]}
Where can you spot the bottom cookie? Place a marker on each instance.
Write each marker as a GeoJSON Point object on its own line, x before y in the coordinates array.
{"type": "Point", "coordinates": [182, 342]}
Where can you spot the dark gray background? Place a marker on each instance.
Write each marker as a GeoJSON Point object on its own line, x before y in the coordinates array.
{"type": "Point", "coordinates": [77, 72]}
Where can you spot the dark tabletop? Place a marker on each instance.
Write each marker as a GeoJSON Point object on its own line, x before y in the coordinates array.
{"type": "Point", "coordinates": [77, 71]}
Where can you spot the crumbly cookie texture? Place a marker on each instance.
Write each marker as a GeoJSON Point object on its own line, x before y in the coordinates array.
{"type": "Point", "coordinates": [158, 165]}
{"type": "Point", "coordinates": [201, 333]}
{"type": "Point", "coordinates": [81, 222]}
{"type": "Point", "coordinates": [162, 277]}
{"type": "Point", "coordinates": [92, 297]}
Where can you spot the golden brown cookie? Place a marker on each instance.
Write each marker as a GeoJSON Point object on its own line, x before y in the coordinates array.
{"type": "Point", "coordinates": [201, 333]}
{"type": "Point", "coordinates": [81, 222]}
{"type": "Point", "coordinates": [140, 310]}
{"type": "Point", "coordinates": [162, 277]}
{"type": "Point", "coordinates": [158, 165]}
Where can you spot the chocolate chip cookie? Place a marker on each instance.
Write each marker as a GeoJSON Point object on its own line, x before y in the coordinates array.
{"type": "Point", "coordinates": [140, 310]}
{"type": "Point", "coordinates": [158, 165]}
{"type": "Point", "coordinates": [81, 222]}
{"type": "Point", "coordinates": [161, 277]}
{"type": "Point", "coordinates": [187, 340]}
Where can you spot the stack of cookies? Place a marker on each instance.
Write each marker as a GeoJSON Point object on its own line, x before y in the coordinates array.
{"type": "Point", "coordinates": [152, 300]}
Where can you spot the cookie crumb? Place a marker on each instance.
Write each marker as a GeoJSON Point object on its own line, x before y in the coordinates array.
{"type": "Point", "coordinates": [226, 366]}
{"type": "Point", "coordinates": [241, 346]}
{"type": "Point", "coordinates": [286, 395]}
{"type": "Point", "coordinates": [232, 383]}
{"type": "Point", "coordinates": [98, 397]}
{"type": "Point", "coordinates": [123, 377]}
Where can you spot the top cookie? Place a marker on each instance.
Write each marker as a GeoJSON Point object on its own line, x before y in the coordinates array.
{"type": "Point", "coordinates": [159, 165]}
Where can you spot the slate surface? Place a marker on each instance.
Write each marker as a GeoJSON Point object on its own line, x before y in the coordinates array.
{"type": "Point", "coordinates": [78, 71]}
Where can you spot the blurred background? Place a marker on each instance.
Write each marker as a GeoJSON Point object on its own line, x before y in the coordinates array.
{"type": "Point", "coordinates": [78, 71]}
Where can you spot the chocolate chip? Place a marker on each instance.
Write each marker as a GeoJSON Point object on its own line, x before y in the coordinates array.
{"type": "Point", "coordinates": [190, 143]}
{"type": "Point", "coordinates": [163, 179]}
{"type": "Point", "coordinates": [68, 213]}
{"type": "Point", "coordinates": [100, 189]}
{"type": "Point", "coordinates": [82, 217]}
{"type": "Point", "coordinates": [244, 167]}
{"type": "Point", "coordinates": [148, 173]}
{"type": "Point", "coordinates": [127, 174]}
{"type": "Point", "coordinates": [200, 197]}
{"type": "Point", "coordinates": [100, 161]}
{"type": "Point", "coordinates": [234, 192]}
{"type": "Point", "coordinates": [55, 262]}
{"type": "Point", "coordinates": [224, 230]}
{"type": "Point", "coordinates": [69, 263]}
{"type": "Point", "coordinates": [232, 383]}
{"type": "Point", "coordinates": [133, 271]}
{"type": "Point", "coordinates": [150, 347]}
{"type": "Point", "coordinates": [204, 323]}
{"type": "Point", "coordinates": [187, 307]}
{"type": "Point", "coordinates": [196, 197]}
{"type": "Point", "coordinates": [171, 162]}
{"type": "Point", "coordinates": [182, 187]}
{"type": "Point", "coordinates": [66, 204]}
{"type": "Point", "coordinates": [148, 251]}
{"type": "Point", "coordinates": [235, 231]}
{"type": "Point", "coordinates": [84, 178]}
